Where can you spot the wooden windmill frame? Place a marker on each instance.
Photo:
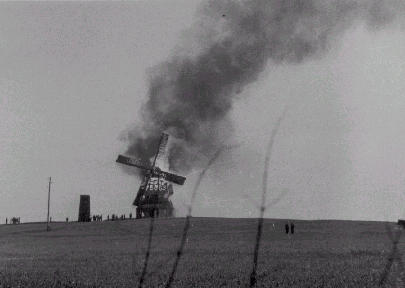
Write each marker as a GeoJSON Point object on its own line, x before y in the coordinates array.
{"type": "Point", "coordinates": [149, 200]}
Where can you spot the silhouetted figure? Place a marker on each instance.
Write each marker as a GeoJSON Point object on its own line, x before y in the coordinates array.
{"type": "Point", "coordinates": [108, 217]}
{"type": "Point", "coordinates": [292, 228]}
{"type": "Point", "coordinates": [113, 217]}
{"type": "Point", "coordinates": [286, 228]}
{"type": "Point", "coordinates": [6, 221]}
{"type": "Point", "coordinates": [130, 216]}
{"type": "Point", "coordinates": [67, 219]}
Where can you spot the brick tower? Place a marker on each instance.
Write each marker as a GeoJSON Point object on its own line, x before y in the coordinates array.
{"type": "Point", "coordinates": [84, 208]}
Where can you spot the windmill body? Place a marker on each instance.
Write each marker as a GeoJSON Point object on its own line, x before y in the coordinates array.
{"type": "Point", "coordinates": [154, 192]}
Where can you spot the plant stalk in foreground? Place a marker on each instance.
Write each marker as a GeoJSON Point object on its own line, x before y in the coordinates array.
{"type": "Point", "coordinates": [263, 208]}
{"type": "Point", "coordinates": [187, 225]}
{"type": "Point", "coordinates": [145, 266]}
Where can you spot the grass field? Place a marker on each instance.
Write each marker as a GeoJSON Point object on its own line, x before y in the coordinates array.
{"type": "Point", "coordinates": [218, 253]}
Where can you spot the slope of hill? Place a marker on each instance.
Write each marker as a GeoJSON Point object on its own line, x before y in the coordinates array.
{"type": "Point", "coordinates": [218, 252]}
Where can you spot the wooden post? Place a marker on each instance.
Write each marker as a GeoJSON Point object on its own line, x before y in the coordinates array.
{"type": "Point", "coordinates": [49, 199]}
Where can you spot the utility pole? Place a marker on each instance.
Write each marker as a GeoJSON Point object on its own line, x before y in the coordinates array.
{"type": "Point", "coordinates": [49, 199]}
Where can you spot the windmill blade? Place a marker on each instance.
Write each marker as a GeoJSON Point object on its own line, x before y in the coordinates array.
{"type": "Point", "coordinates": [161, 149]}
{"type": "Point", "coordinates": [173, 178]}
{"type": "Point", "coordinates": [132, 162]}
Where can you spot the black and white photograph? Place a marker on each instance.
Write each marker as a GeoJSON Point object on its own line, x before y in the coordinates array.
{"type": "Point", "coordinates": [202, 143]}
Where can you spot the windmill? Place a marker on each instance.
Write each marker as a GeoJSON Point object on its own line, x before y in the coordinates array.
{"type": "Point", "coordinates": [154, 192]}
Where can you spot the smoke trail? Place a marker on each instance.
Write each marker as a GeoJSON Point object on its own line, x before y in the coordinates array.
{"type": "Point", "coordinates": [190, 95]}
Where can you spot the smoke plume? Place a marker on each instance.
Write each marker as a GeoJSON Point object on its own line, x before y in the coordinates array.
{"type": "Point", "coordinates": [192, 94]}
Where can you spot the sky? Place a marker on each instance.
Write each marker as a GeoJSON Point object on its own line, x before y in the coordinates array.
{"type": "Point", "coordinates": [78, 86]}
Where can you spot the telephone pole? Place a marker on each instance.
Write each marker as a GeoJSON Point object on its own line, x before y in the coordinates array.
{"type": "Point", "coordinates": [49, 199]}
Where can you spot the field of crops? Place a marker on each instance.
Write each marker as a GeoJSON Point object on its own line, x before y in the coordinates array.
{"type": "Point", "coordinates": [218, 253]}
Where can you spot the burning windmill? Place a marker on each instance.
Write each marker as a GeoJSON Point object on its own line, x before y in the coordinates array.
{"type": "Point", "coordinates": [189, 93]}
{"type": "Point", "coordinates": [154, 192]}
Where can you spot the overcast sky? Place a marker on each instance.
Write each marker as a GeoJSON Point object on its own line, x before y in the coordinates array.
{"type": "Point", "coordinates": [73, 79]}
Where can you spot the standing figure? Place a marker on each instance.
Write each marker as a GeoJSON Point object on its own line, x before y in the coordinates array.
{"type": "Point", "coordinates": [130, 216]}
{"type": "Point", "coordinates": [108, 217]}
{"type": "Point", "coordinates": [286, 228]}
{"type": "Point", "coordinates": [6, 221]}
{"type": "Point", "coordinates": [292, 228]}
{"type": "Point", "coordinates": [67, 219]}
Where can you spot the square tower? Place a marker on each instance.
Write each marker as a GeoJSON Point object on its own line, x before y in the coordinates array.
{"type": "Point", "coordinates": [84, 208]}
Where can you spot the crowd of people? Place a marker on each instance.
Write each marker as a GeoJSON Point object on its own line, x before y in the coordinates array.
{"type": "Point", "coordinates": [14, 220]}
{"type": "Point", "coordinates": [115, 217]}
{"type": "Point", "coordinates": [97, 217]}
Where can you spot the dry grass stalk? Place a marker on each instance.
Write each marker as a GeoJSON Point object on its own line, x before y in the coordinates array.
{"type": "Point", "coordinates": [263, 208]}
{"type": "Point", "coordinates": [145, 266]}
{"type": "Point", "coordinates": [393, 255]}
{"type": "Point", "coordinates": [187, 225]}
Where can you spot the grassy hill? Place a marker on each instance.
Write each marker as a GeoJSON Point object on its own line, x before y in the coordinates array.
{"type": "Point", "coordinates": [218, 253]}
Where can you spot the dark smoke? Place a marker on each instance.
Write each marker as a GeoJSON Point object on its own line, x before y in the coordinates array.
{"type": "Point", "coordinates": [190, 96]}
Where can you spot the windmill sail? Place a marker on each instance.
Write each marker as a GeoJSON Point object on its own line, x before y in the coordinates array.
{"type": "Point", "coordinates": [162, 147]}
{"type": "Point", "coordinates": [173, 178]}
{"type": "Point", "coordinates": [132, 162]}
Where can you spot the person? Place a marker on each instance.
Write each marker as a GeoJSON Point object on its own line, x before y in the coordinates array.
{"type": "Point", "coordinates": [286, 228]}
{"type": "Point", "coordinates": [292, 228]}
{"type": "Point", "coordinates": [6, 221]}
{"type": "Point", "coordinates": [108, 217]}
{"type": "Point", "coordinates": [67, 219]}
{"type": "Point", "coordinates": [130, 216]}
